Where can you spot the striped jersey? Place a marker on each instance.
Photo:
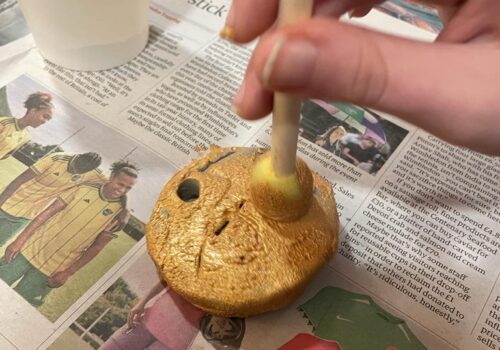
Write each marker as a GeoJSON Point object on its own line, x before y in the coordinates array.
{"type": "Point", "coordinates": [52, 178]}
{"type": "Point", "coordinates": [11, 136]}
{"type": "Point", "coordinates": [62, 239]}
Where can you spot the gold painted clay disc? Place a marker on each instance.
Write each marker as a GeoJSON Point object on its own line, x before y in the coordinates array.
{"type": "Point", "coordinates": [213, 247]}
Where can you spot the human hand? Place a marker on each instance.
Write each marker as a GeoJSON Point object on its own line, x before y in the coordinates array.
{"type": "Point", "coordinates": [135, 314]}
{"type": "Point", "coordinates": [448, 88]}
{"type": "Point", "coordinates": [57, 279]}
{"type": "Point", "coordinates": [119, 222]}
{"type": "Point", "coordinates": [320, 142]}
{"type": "Point", "coordinates": [12, 250]}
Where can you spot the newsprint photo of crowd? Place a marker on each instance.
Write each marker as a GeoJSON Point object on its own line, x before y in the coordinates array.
{"type": "Point", "coordinates": [356, 135]}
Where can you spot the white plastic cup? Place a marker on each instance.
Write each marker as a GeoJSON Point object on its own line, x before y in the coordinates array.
{"type": "Point", "coordinates": [88, 34]}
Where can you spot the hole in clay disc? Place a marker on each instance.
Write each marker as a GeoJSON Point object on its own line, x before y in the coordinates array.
{"type": "Point", "coordinates": [189, 190]}
{"type": "Point", "coordinates": [221, 228]}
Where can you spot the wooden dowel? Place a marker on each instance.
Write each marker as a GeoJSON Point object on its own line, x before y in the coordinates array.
{"type": "Point", "coordinates": [286, 110]}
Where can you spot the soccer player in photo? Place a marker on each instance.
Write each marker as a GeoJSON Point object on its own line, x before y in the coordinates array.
{"type": "Point", "coordinates": [32, 191]}
{"type": "Point", "coordinates": [14, 132]}
{"type": "Point", "coordinates": [66, 235]}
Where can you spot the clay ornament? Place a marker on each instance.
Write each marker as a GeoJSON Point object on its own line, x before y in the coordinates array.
{"type": "Point", "coordinates": [240, 232]}
{"type": "Point", "coordinates": [213, 246]}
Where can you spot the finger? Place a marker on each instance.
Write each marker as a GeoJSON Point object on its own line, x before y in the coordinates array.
{"type": "Point", "coordinates": [334, 61]}
{"type": "Point", "coordinates": [130, 319]}
{"type": "Point", "coordinates": [112, 226]}
{"type": "Point", "coordinates": [446, 13]}
{"type": "Point", "coordinates": [339, 7]}
{"type": "Point", "coordinates": [53, 284]}
{"type": "Point", "coordinates": [471, 23]}
{"type": "Point", "coordinates": [443, 3]}
{"type": "Point", "coordinates": [247, 19]}
{"type": "Point", "coordinates": [360, 11]}
{"type": "Point", "coordinates": [251, 90]}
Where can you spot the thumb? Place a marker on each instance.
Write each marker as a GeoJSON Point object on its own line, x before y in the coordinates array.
{"type": "Point", "coordinates": [424, 83]}
{"type": "Point", "coordinates": [130, 319]}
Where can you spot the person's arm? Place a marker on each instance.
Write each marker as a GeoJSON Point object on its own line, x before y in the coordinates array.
{"type": "Point", "coordinates": [138, 310]}
{"type": "Point", "coordinates": [25, 176]}
{"type": "Point", "coordinates": [14, 150]}
{"type": "Point", "coordinates": [15, 247]}
{"type": "Point", "coordinates": [346, 151]}
{"type": "Point", "coordinates": [3, 135]}
{"type": "Point", "coordinates": [119, 222]}
{"type": "Point", "coordinates": [322, 139]}
{"type": "Point", "coordinates": [122, 218]}
{"type": "Point", "coordinates": [59, 278]}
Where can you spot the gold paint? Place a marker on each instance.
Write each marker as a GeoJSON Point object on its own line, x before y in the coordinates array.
{"type": "Point", "coordinates": [224, 257]}
{"type": "Point", "coordinates": [227, 33]}
{"type": "Point", "coordinates": [281, 198]}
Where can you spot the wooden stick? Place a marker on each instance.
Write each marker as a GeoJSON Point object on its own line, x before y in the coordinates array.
{"type": "Point", "coordinates": [286, 110]}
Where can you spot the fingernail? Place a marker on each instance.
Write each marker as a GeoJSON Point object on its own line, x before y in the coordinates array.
{"type": "Point", "coordinates": [271, 60]}
{"type": "Point", "coordinates": [228, 31]}
{"type": "Point", "coordinates": [238, 99]}
{"type": "Point", "coordinates": [290, 63]}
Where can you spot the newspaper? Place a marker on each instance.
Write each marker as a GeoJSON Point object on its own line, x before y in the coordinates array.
{"type": "Point", "coordinates": [15, 36]}
{"type": "Point", "coordinates": [417, 265]}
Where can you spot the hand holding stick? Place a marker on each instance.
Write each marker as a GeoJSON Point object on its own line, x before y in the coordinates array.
{"type": "Point", "coordinates": [282, 185]}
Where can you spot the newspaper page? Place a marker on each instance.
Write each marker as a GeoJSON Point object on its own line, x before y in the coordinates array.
{"type": "Point", "coordinates": [415, 13]}
{"type": "Point", "coordinates": [420, 220]}
{"type": "Point", "coordinates": [15, 36]}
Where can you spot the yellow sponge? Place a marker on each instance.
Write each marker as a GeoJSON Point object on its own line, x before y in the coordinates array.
{"type": "Point", "coordinates": [281, 198]}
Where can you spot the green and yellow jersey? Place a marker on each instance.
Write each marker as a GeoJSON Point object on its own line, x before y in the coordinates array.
{"type": "Point", "coordinates": [52, 178]}
{"type": "Point", "coordinates": [11, 136]}
{"type": "Point", "coordinates": [63, 238]}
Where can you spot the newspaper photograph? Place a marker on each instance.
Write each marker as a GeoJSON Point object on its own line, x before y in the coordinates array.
{"type": "Point", "coordinates": [139, 311]}
{"type": "Point", "coordinates": [355, 135]}
{"type": "Point", "coordinates": [333, 316]}
{"type": "Point", "coordinates": [15, 35]}
{"type": "Point", "coordinates": [12, 23]}
{"type": "Point", "coordinates": [75, 197]}
{"type": "Point", "coordinates": [420, 15]}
